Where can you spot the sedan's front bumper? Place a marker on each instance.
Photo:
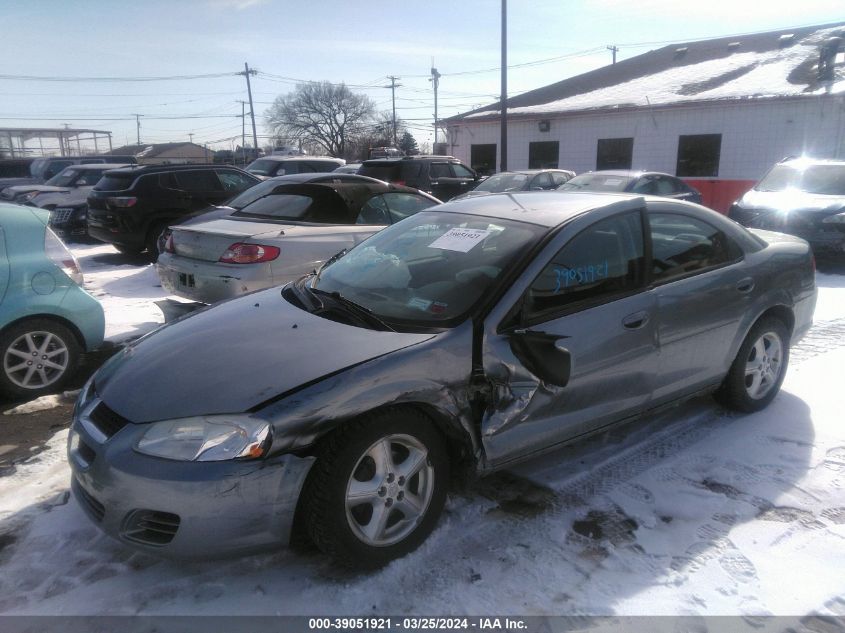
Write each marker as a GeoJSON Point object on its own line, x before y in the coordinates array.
{"type": "Point", "coordinates": [209, 282]}
{"type": "Point", "coordinates": [179, 509]}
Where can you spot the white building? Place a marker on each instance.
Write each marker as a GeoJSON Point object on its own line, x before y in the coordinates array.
{"type": "Point", "coordinates": [717, 113]}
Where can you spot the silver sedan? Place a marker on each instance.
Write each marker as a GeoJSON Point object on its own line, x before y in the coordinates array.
{"type": "Point", "coordinates": [464, 338]}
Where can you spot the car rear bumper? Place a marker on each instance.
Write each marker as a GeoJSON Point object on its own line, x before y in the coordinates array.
{"type": "Point", "coordinates": [183, 510]}
{"type": "Point", "coordinates": [209, 282]}
{"type": "Point", "coordinates": [822, 237]}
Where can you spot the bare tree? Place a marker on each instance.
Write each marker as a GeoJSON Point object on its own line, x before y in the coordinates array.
{"type": "Point", "coordinates": [322, 113]}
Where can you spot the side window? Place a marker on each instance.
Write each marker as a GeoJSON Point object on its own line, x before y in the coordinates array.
{"type": "Point", "coordinates": [683, 245]}
{"type": "Point", "coordinates": [401, 205]}
{"type": "Point", "coordinates": [665, 186]}
{"type": "Point", "coordinates": [199, 180]}
{"type": "Point", "coordinates": [559, 178]}
{"type": "Point", "coordinates": [645, 185]}
{"type": "Point", "coordinates": [461, 171]}
{"type": "Point", "coordinates": [287, 168]}
{"type": "Point", "coordinates": [374, 211]}
{"type": "Point", "coordinates": [234, 182]}
{"type": "Point", "coordinates": [88, 178]}
{"type": "Point", "coordinates": [601, 263]}
{"type": "Point", "coordinates": [541, 181]}
{"type": "Point", "coordinates": [439, 170]}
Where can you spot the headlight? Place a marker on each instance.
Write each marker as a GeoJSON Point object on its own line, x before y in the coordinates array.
{"type": "Point", "coordinates": [839, 218]}
{"type": "Point", "coordinates": [29, 196]}
{"type": "Point", "coordinates": [207, 438]}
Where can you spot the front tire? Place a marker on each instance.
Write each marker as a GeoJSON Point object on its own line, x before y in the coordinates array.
{"type": "Point", "coordinates": [38, 357]}
{"type": "Point", "coordinates": [757, 372]}
{"type": "Point", "coordinates": [377, 489]}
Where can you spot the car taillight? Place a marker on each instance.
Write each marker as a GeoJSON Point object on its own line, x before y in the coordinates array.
{"type": "Point", "coordinates": [122, 202]}
{"type": "Point", "coordinates": [240, 253]}
{"type": "Point", "coordinates": [398, 182]}
{"type": "Point", "coordinates": [168, 245]}
{"type": "Point", "coordinates": [59, 254]}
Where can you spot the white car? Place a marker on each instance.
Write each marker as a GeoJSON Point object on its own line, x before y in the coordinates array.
{"type": "Point", "coordinates": [298, 224]}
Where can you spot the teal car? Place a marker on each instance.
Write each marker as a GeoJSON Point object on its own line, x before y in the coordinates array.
{"type": "Point", "coordinates": [46, 319]}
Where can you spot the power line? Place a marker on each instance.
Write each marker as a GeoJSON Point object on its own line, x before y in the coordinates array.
{"type": "Point", "coordinates": [116, 79]}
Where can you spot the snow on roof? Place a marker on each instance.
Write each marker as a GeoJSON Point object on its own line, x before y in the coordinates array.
{"type": "Point", "coordinates": [758, 66]}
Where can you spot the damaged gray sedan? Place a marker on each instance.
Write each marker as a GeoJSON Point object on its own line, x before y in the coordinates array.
{"type": "Point", "coordinates": [459, 340]}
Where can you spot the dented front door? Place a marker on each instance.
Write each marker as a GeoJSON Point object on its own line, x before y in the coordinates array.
{"type": "Point", "coordinates": [586, 306]}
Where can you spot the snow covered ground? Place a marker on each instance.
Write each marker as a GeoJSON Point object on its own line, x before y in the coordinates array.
{"type": "Point", "coordinates": [696, 512]}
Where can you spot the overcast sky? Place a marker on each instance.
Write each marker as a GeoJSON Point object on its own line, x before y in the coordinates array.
{"type": "Point", "coordinates": [359, 43]}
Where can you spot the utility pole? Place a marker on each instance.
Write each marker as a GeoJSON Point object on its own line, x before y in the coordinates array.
{"type": "Point", "coordinates": [138, 123]}
{"type": "Point", "coordinates": [613, 50]}
{"type": "Point", "coordinates": [243, 133]}
{"type": "Point", "coordinates": [503, 105]}
{"type": "Point", "coordinates": [191, 137]}
{"type": "Point", "coordinates": [246, 73]}
{"type": "Point", "coordinates": [435, 80]}
{"type": "Point", "coordinates": [393, 85]}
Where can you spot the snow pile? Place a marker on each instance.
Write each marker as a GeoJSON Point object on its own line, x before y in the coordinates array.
{"type": "Point", "coordinates": [43, 403]}
{"type": "Point", "coordinates": [737, 76]}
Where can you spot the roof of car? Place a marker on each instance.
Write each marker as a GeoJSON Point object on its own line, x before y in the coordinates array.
{"type": "Point", "coordinates": [328, 177]}
{"type": "Point", "coordinates": [813, 161]}
{"type": "Point", "coordinates": [545, 208]}
{"type": "Point", "coordinates": [398, 159]}
{"type": "Point", "coordinates": [146, 169]}
{"type": "Point", "coordinates": [284, 159]}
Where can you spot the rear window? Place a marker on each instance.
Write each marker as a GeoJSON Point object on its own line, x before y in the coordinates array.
{"type": "Point", "coordinates": [596, 182]}
{"type": "Point", "coordinates": [262, 167]}
{"type": "Point", "coordinates": [383, 171]}
{"type": "Point", "coordinates": [252, 194]}
{"type": "Point", "coordinates": [283, 206]}
{"type": "Point", "coordinates": [114, 183]}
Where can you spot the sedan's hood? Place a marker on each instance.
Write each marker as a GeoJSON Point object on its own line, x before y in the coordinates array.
{"type": "Point", "coordinates": [234, 356]}
{"type": "Point", "coordinates": [792, 201]}
{"type": "Point", "coordinates": [471, 194]}
{"type": "Point", "coordinates": [63, 198]}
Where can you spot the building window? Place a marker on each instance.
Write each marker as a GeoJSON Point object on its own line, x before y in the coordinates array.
{"type": "Point", "coordinates": [543, 155]}
{"type": "Point", "coordinates": [698, 155]}
{"type": "Point", "coordinates": [614, 153]}
{"type": "Point", "coordinates": [482, 158]}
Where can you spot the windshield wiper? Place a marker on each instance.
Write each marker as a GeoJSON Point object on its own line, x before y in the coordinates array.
{"type": "Point", "coordinates": [330, 260]}
{"type": "Point", "coordinates": [350, 306]}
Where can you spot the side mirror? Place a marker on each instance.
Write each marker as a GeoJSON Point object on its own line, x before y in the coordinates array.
{"type": "Point", "coordinates": [544, 355]}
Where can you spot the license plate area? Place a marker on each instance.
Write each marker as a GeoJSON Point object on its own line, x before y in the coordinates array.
{"type": "Point", "coordinates": [186, 280]}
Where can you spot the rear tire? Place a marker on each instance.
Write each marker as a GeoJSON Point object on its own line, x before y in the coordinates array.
{"type": "Point", "coordinates": [38, 356]}
{"type": "Point", "coordinates": [756, 374]}
{"type": "Point", "coordinates": [377, 488]}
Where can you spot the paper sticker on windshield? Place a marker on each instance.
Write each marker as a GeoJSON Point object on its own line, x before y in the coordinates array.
{"type": "Point", "coordinates": [461, 240]}
{"type": "Point", "coordinates": [419, 303]}
{"type": "Point", "coordinates": [613, 181]}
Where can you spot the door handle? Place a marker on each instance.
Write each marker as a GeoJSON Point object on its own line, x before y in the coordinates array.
{"type": "Point", "coordinates": [635, 321]}
{"type": "Point", "coordinates": [745, 285]}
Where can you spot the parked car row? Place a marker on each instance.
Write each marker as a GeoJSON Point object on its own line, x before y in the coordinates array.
{"type": "Point", "coordinates": [388, 339]}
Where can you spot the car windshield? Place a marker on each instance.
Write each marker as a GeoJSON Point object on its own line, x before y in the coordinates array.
{"type": "Point", "coordinates": [262, 167]}
{"type": "Point", "coordinates": [596, 182]}
{"type": "Point", "coordinates": [820, 179]}
{"type": "Point", "coordinates": [503, 182]}
{"type": "Point", "coordinates": [429, 269]}
{"type": "Point", "coordinates": [64, 178]}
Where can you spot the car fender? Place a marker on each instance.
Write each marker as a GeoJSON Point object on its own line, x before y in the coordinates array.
{"type": "Point", "coordinates": [433, 376]}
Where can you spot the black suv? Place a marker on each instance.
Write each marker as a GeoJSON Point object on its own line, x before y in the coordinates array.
{"type": "Point", "coordinates": [130, 207]}
{"type": "Point", "coordinates": [444, 177]}
{"type": "Point", "coordinates": [802, 196]}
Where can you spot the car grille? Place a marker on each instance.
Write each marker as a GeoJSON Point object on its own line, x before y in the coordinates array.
{"type": "Point", "coordinates": [60, 216]}
{"type": "Point", "coordinates": [150, 527]}
{"type": "Point", "coordinates": [96, 509]}
{"type": "Point", "coordinates": [107, 421]}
